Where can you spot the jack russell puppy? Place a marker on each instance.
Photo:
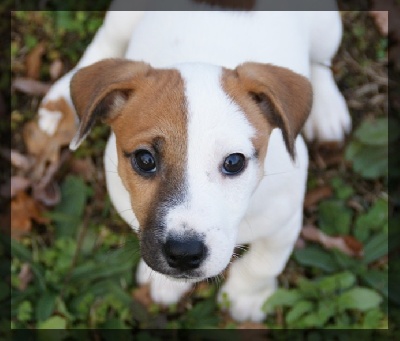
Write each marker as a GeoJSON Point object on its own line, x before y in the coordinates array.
{"type": "Point", "coordinates": [205, 153]}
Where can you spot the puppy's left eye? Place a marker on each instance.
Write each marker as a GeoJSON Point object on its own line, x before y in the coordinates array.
{"type": "Point", "coordinates": [233, 164]}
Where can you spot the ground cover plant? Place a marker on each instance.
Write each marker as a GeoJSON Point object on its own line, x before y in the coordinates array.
{"type": "Point", "coordinates": [73, 258]}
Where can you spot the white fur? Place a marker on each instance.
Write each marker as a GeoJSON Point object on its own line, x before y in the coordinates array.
{"type": "Point", "coordinates": [229, 210]}
{"type": "Point", "coordinates": [216, 203]}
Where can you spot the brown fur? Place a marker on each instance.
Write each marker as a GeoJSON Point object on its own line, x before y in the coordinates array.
{"type": "Point", "coordinates": [282, 97]}
{"type": "Point", "coordinates": [145, 107]}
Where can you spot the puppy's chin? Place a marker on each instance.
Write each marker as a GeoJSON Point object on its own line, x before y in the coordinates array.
{"type": "Point", "coordinates": [186, 279]}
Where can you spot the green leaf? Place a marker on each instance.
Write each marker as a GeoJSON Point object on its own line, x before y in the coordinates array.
{"type": "Point", "coordinates": [369, 161]}
{"type": "Point", "coordinates": [342, 190]}
{"type": "Point", "coordinates": [316, 257]}
{"type": "Point", "coordinates": [373, 132]}
{"type": "Point", "coordinates": [21, 252]}
{"type": "Point", "coordinates": [375, 248]}
{"type": "Point", "coordinates": [372, 319]}
{"type": "Point", "coordinates": [334, 217]}
{"type": "Point", "coordinates": [337, 282]}
{"type": "Point", "coordinates": [299, 309]}
{"type": "Point", "coordinates": [45, 306]}
{"type": "Point", "coordinates": [68, 214]}
{"type": "Point", "coordinates": [202, 315]}
{"type": "Point", "coordinates": [24, 311]}
{"type": "Point", "coordinates": [54, 322]}
{"type": "Point", "coordinates": [376, 217]}
{"type": "Point", "coordinates": [359, 298]}
{"type": "Point", "coordinates": [378, 280]}
{"type": "Point", "coordinates": [281, 297]}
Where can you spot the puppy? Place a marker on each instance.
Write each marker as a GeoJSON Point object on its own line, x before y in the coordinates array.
{"type": "Point", "coordinates": [205, 152]}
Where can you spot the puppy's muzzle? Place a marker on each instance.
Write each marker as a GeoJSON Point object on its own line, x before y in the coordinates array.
{"type": "Point", "coordinates": [184, 253]}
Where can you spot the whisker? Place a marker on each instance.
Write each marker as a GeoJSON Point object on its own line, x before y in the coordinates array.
{"type": "Point", "coordinates": [284, 172]}
{"type": "Point", "coordinates": [112, 161]}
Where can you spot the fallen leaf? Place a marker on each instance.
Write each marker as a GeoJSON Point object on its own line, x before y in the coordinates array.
{"type": "Point", "coordinates": [49, 194]}
{"type": "Point", "coordinates": [46, 147]}
{"type": "Point", "coordinates": [46, 190]}
{"type": "Point", "coordinates": [381, 19]}
{"type": "Point", "coordinates": [20, 161]}
{"type": "Point", "coordinates": [83, 167]}
{"type": "Point", "coordinates": [315, 195]}
{"type": "Point", "coordinates": [56, 69]}
{"type": "Point", "coordinates": [23, 210]}
{"type": "Point", "coordinates": [25, 276]}
{"type": "Point", "coordinates": [327, 153]}
{"type": "Point", "coordinates": [33, 61]}
{"type": "Point", "coordinates": [30, 86]}
{"type": "Point", "coordinates": [15, 185]}
{"type": "Point", "coordinates": [142, 295]}
{"type": "Point", "coordinates": [347, 244]}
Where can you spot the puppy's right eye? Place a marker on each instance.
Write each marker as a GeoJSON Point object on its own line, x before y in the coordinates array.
{"type": "Point", "coordinates": [144, 162]}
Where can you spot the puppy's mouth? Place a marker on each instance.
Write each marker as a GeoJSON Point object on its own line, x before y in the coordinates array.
{"type": "Point", "coordinates": [163, 268]}
{"type": "Point", "coordinates": [186, 278]}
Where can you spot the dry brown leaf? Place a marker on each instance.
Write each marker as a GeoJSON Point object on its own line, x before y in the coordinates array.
{"type": "Point", "coordinates": [23, 210]}
{"type": "Point", "coordinates": [56, 69]}
{"type": "Point", "coordinates": [66, 128]}
{"type": "Point", "coordinates": [19, 160]}
{"type": "Point", "coordinates": [85, 168]}
{"type": "Point", "coordinates": [25, 276]}
{"type": "Point", "coordinates": [33, 61]}
{"type": "Point", "coordinates": [45, 147]}
{"type": "Point", "coordinates": [49, 194]}
{"type": "Point", "coordinates": [381, 19]}
{"type": "Point", "coordinates": [15, 185]}
{"type": "Point", "coordinates": [317, 194]}
{"type": "Point", "coordinates": [30, 86]}
{"type": "Point", "coordinates": [142, 295]}
{"type": "Point", "coordinates": [347, 244]}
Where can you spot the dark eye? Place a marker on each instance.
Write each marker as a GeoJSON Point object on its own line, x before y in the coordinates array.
{"type": "Point", "coordinates": [233, 164]}
{"type": "Point", "coordinates": [143, 161]}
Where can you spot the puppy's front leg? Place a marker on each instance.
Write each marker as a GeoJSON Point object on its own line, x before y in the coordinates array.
{"type": "Point", "coordinates": [252, 279]}
{"type": "Point", "coordinates": [163, 290]}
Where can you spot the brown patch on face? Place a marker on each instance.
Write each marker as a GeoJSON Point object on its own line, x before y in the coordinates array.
{"type": "Point", "coordinates": [146, 109]}
{"type": "Point", "coordinates": [237, 90]}
{"type": "Point", "coordinates": [154, 118]}
{"type": "Point", "coordinates": [281, 96]}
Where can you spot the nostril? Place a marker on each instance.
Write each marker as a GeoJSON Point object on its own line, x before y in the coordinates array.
{"type": "Point", "coordinates": [184, 254]}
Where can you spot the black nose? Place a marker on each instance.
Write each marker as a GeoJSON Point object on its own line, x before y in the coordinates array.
{"type": "Point", "coordinates": [184, 254]}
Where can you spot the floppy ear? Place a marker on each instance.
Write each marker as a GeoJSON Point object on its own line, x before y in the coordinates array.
{"type": "Point", "coordinates": [99, 91]}
{"type": "Point", "coordinates": [283, 96]}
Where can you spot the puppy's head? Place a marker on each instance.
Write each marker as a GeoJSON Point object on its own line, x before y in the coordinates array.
{"type": "Point", "coordinates": [191, 143]}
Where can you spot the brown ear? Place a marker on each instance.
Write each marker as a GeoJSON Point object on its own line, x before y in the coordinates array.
{"type": "Point", "coordinates": [100, 90]}
{"type": "Point", "coordinates": [283, 96]}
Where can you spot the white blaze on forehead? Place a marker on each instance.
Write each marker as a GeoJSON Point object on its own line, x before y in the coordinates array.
{"type": "Point", "coordinates": [215, 122]}
{"type": "Point", "coordinates": [215, 203]}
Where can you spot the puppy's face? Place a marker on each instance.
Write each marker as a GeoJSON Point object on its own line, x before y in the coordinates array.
{"type": "Point", "coordinates": [191, 143]}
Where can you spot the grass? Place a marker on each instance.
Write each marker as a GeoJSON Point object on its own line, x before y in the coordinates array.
{"type": "Point", "coordinates": [82, 261]}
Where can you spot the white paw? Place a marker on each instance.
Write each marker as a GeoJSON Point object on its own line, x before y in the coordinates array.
{"type": "Point", "coordinates": [329, 119]}
{"type": "Point", "coordinates": [245, 306]}
{"type": "Point", "coordinates": [163, 290]}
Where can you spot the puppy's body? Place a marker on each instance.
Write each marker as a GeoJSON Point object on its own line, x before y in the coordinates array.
{"type": "Point", "coordinates": [203, 112]}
